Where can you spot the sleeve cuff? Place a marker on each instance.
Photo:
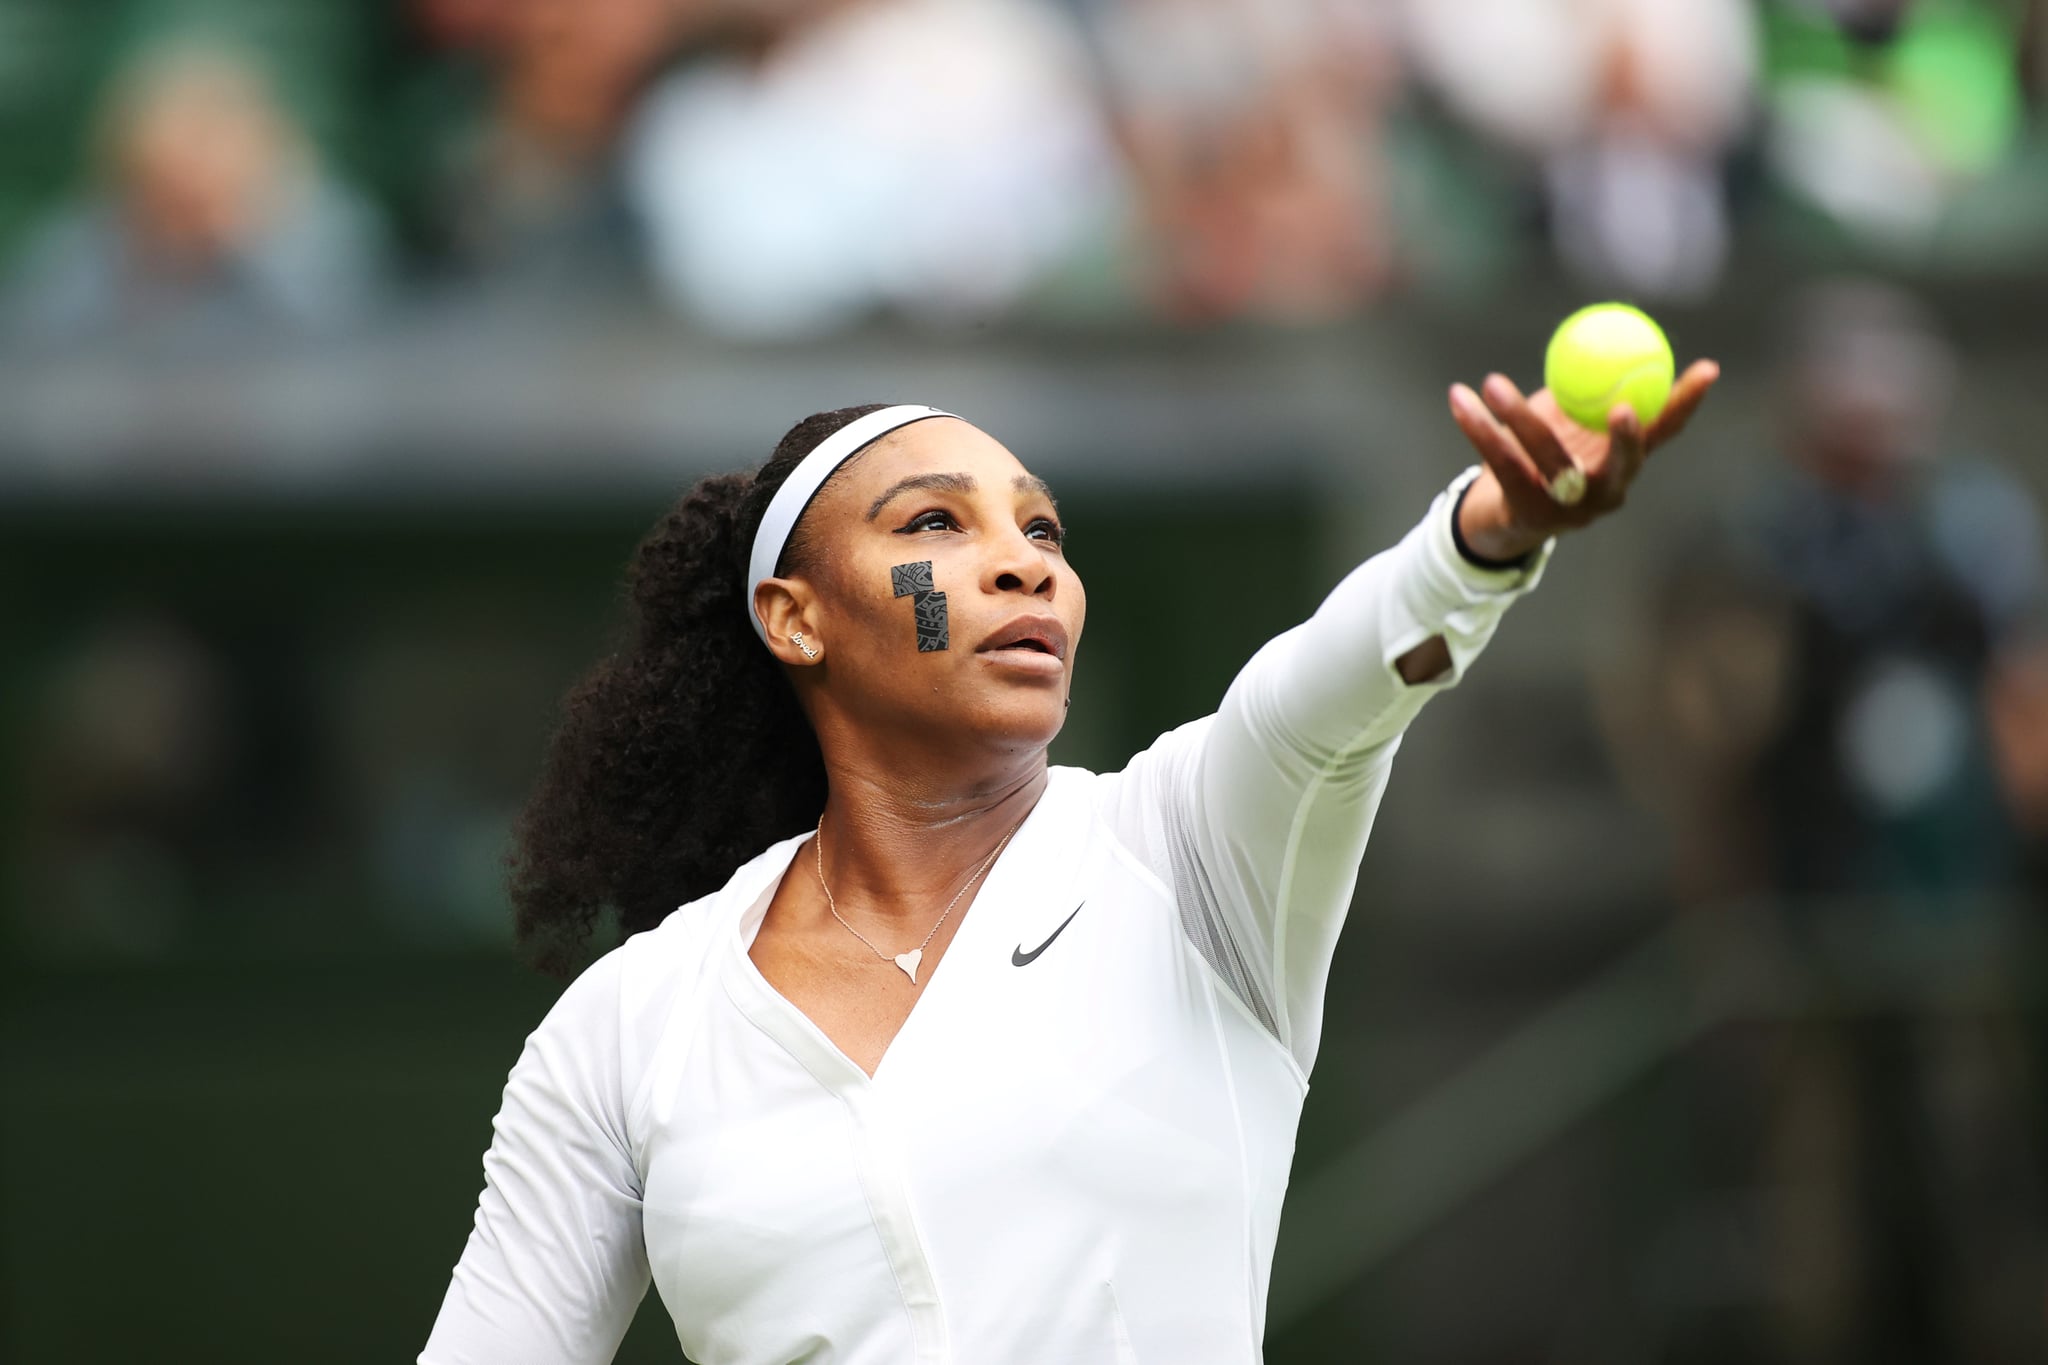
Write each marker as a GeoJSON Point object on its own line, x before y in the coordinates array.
{"type": "Point", "coordinates": [1464, 547]}
{"type": "Point", "coordinates": [1483, 577]}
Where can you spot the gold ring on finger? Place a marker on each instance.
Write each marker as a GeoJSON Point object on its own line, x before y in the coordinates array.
{"type": "Point", "coordinates": [1568, 486]}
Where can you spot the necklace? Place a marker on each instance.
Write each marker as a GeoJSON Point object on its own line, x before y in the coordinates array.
{"type": "Point", "coordinates": [907, 961]}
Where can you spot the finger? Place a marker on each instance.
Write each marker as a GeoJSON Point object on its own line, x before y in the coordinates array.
{"type": "Point", "coordinates": [1623, 458]}
{"type": "Point", "coordinates": [1521, 482]}
{"type": "Point", "coordinates": [1686, 397]}
{"type": "Point", "coordinates": [1506, 402]}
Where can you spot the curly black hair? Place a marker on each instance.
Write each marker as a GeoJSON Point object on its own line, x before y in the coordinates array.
{"type": "Point", "coordinates": [684, 753]}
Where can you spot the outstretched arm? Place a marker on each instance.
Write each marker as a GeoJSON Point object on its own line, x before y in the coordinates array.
{"type": "Point", "coordinates": [1258, 815]}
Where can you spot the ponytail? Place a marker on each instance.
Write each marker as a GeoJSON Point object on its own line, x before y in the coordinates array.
{"type": "Point", "coordinates": [683, 754]}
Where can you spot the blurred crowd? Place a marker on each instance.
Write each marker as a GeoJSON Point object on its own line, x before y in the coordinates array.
{"type": "Point", "coordinates": [784, 168]}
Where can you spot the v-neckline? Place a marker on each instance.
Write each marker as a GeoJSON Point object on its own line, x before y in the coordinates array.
{"type": "Point", "coordinates": [781, 1018]}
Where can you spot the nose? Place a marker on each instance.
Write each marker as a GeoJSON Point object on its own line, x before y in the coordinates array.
{"type": "Point", "coordinates": [1018, 564]}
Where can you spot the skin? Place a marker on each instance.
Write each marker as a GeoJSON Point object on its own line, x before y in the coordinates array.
{"type": "Point", "coordinates": [932, 758]}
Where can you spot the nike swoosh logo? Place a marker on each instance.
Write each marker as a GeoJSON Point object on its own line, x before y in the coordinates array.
{"type": "Point", "coordinates": [1020, 958]}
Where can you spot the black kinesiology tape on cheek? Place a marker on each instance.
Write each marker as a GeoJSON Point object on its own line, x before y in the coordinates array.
{"type": "Point", "coordinates": [932, 633]}
{"type": "Point", "coordinates": [909, 578]}
{"type": "Point", "coordinates": [927, 605]}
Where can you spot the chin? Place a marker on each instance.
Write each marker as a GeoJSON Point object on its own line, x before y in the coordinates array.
{"type": "Point", "coordinates": [1030, 721]}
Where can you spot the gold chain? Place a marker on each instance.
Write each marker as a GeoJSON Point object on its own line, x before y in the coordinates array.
{"type": "Point", "coordinates": [833, 905]}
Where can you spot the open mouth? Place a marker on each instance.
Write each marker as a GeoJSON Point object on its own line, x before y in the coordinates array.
{"type": "Point", "coordinates": [1037, 634]}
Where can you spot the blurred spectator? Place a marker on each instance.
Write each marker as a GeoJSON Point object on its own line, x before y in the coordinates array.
{"type": "Point", "coordinates": [127, 752]}
{"type": "Point", "coordinates": [529, 184]}
{"type": "Point", "coordinates": [935, 158]}
{"type": "Point", "coordinates": [1629, 108]}
{"type": "Point", "coordinates": [212, 217]}
{"type": "Point", "coordinates": [1907, 578]}
{"type": "Point", "coordinates": [1844, 689]}
{"type": "Point", "coordinates": [1252, 130]}
{"type": "Point", "coordinates": [1827, 667]}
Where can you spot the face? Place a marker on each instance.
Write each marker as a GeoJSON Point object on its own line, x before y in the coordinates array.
{"type": "Point", "coordinates": [938, 595]}
{"type": "Point", "coordinates": [199, 152]}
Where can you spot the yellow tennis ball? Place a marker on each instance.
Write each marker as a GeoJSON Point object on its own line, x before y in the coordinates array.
{"type": "Point", "coordinates": [1607, 354]}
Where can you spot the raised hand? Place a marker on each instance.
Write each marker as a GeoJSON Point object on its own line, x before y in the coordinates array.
{"type": "Point", "coordinates": [1544, 473]}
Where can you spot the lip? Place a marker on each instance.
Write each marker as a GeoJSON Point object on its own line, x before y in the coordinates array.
{"type": "Point", "coordinates": [1047, 631]}
{"type": "Point", "coordinates": [1025, 661]}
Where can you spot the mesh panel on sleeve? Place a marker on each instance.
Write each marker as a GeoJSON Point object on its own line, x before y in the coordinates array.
{"type": "Point", "coordinates": [1202, 920]}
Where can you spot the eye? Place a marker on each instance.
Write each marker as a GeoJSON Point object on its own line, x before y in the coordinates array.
{"type": "Point", "coordinates": [1046, 529]}
{"type": "Point", "coordinates": [937, 519]}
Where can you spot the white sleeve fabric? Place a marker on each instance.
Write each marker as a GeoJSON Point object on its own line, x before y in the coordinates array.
{"type": "Point", "coordinates": [1257, 815]}
{"type": "Point", "coordinates": [555, 1267]}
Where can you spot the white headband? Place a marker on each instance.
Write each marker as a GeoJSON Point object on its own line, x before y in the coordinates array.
{"type": "Point", "coordinates": [803, 483]}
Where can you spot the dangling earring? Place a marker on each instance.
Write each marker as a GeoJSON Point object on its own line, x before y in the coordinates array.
{"type": "Point", "coordinates": [798, 640]}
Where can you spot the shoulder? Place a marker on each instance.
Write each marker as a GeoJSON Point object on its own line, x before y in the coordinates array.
{"type": "Point", "coordinates": [634, 993]}
{"type": "Point", "coordinates": [612, 1025]}
{"type": "Point", "coordinates": [1127, 813]}
{"type": "Point", "coordinates": [1075, 796]}
{"type": "Point", "coordinates": [651, 965]}
{"type": "Point", "coordinates": [1148, 778]}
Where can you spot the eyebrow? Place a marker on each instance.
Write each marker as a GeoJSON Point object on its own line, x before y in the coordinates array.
{"type": "Point", "coordinates": [949, 483]}
{"type": "Point", "coordinates": [954, 483]}
{"type": "Point", "coordinates": [1031, 483]}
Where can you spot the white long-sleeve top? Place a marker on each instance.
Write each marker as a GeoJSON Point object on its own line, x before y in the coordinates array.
{"type": "Point", "coordinates": [1075, 1149]}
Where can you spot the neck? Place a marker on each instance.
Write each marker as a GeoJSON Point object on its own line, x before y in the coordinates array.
{"type": "Point", "coordinates": [895, 850]}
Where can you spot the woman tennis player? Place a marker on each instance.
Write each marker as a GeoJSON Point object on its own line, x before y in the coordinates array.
{"type": "Point", "coordinates": [920, 1049]}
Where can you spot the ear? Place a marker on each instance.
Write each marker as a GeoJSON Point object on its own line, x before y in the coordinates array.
{"type": "Point", "coordinates": [785, 607]}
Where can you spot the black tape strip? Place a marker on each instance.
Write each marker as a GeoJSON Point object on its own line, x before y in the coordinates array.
{"type": "Point", "coordinates": [926, 604]}
{"type": "Point", "coordinates": [910, 578]}
{"type": "Point", "coordinates": [932, 631]}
